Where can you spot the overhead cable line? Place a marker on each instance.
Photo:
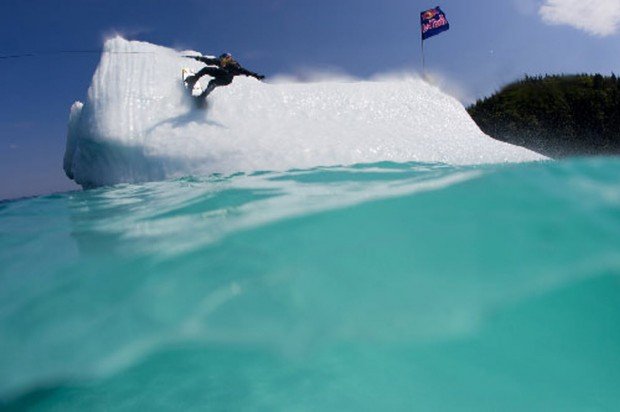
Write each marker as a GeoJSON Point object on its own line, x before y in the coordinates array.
{"type": "Point", "coordinates": [59, 52]}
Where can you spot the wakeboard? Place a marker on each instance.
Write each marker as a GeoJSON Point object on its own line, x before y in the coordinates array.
{"type": "Point", "coordinates": [195, 91]}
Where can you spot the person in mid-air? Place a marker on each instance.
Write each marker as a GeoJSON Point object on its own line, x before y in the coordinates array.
{"type": "Point", "coordinates": [225, 69]}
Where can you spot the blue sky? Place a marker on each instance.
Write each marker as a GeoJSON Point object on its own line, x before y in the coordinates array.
{"type": "Point", "coordinates": [490, 43]}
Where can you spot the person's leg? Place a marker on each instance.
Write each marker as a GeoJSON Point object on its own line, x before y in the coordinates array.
{"type": "Point", "coordinates": [211, 71]}
{"type": "Point", "coordinates": [217, 82]}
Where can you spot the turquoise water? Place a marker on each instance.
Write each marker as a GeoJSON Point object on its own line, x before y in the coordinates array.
{"type": "Point", "coordinates": [374, 287]}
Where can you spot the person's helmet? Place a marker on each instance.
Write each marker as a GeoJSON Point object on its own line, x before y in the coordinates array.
{"type": "Point", "coordinates": [226, 59]}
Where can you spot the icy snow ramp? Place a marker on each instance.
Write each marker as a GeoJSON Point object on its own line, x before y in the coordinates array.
{"type": "Point", "coordinates": [138, 124]}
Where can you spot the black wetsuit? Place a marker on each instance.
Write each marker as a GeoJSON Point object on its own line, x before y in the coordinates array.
{"type": "Point", "coordinates": [222, 74]}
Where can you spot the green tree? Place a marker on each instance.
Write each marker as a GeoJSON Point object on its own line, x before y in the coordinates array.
{"type": "Point", "coordinates": [558, 115]}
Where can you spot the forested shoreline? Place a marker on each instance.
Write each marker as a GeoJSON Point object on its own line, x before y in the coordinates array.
{"type": "Point", "coordinates": [556, 115]}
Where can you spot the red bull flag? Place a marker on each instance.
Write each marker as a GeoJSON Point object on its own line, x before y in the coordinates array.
{"type": "Point", "coordinates": [433, 22]}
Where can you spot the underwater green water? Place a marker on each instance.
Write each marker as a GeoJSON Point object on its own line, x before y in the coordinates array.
{"type": "Point", "coordinates": [374, 287]}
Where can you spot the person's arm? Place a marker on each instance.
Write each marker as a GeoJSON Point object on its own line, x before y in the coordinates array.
{"type": "Point", "coordinates": [214, 61]}
{"type": "Point", "coordinates": [249, 73]}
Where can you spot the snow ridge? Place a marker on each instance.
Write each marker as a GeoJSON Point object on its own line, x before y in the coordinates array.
{"type": "Point", "coordinates": [138, 124]}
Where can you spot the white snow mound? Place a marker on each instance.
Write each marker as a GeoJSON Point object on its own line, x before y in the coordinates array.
{"type": "Point", "coordinates": [138, 123]}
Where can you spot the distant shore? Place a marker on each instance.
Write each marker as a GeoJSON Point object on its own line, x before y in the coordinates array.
{"type": "Point", "coordinates": [556, 115]}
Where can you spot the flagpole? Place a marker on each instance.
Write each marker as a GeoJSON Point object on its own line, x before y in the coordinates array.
{"type": "Point", "coordinates": [423, 60]}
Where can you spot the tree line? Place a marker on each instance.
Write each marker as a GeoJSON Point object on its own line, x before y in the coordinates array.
{"type": "Point", "coordinates": [557, 115]}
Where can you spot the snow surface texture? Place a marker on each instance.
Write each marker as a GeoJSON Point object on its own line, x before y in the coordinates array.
{"type": "Point", "coordinates": [138, 123]}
